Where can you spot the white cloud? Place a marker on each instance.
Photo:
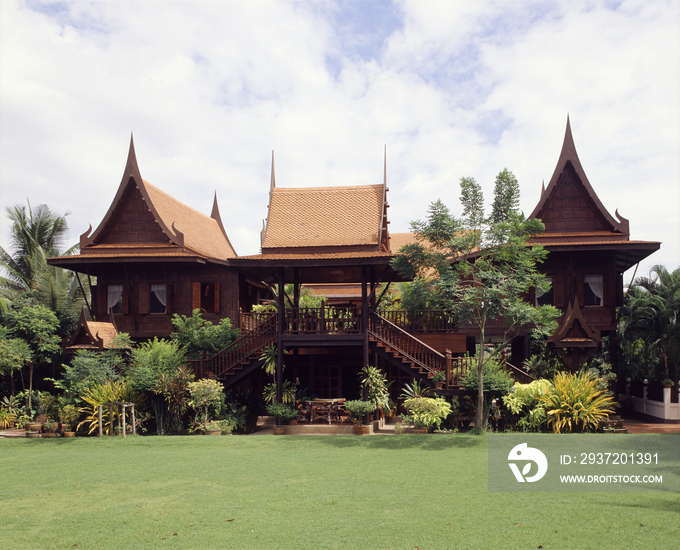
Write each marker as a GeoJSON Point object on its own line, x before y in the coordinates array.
{"type": "Point", "coordinates": [453, 89]}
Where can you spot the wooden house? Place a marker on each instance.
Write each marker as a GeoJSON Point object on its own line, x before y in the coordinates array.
{"type": "Point", "coordinates": [589, 250]}
{"type": "Point", "coordinates": [153, 256]}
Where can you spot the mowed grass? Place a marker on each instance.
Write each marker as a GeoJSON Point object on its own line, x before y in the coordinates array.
{"type": "Point", "coordinates": [266, 492]}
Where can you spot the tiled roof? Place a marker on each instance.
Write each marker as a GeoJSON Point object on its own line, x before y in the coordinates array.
{"type": "Point", "coordinates": [106, 331]}
{"type": "Point", "coordinates": [317, 256]}
{"type": "Point", "coordinates": [324, 216]}
{"type": "Point", "coordinates": [397, 240]}
{"type": "Point", "coordinates": [201, 233]}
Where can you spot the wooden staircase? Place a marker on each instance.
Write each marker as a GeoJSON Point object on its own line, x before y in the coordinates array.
{"type": "Point", "coordinates": [409, 353]}
{"type": "Point", "coordinates": [242, 356]}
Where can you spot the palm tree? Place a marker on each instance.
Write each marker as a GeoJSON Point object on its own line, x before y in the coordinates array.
{"type": "Point", "coordinates": [36, 234]}
{"type": "Point", "coordinates": [652, 315]}
{"type": "Point", "coordinates": [39, 229]}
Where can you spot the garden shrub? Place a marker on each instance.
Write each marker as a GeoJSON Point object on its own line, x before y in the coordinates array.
{"type": "Point", "coordinates": [573, 403]}
{"type": "Point", "coordinates": [426, 412]}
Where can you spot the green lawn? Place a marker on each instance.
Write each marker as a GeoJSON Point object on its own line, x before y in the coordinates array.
{"type": "Point", "coordinates": [266, 492]}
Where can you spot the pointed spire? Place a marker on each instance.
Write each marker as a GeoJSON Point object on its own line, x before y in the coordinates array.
{"type": "Point", "coordinates": [131, 166]}
{"type": "Point", "coordinates": [385, 168]}
{"type": "Point", "coordinates": [272, 185]}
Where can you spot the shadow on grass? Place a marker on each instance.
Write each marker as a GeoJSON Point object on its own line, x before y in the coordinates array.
{"type": "Point", "coordinates": [400, 442]}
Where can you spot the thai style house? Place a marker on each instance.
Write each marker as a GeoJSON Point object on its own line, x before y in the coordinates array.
{"type": "Point", "coordinates": [153, 256]}
{"type": "Point", "coordinates": [589, 250]}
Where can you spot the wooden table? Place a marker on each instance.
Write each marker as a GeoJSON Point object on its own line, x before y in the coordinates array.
{"type": "Point", "coordinates": [325, 409]}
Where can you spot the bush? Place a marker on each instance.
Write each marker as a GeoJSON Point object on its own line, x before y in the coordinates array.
{"type": "Point", "coordinates": [426, 412]}
{"type": "Point", "coordinates": [206, 394]}
{"type": "Point", "coordinates": [524, 401]}
{"type": "Point", "coordinates": [359, 409]}
{"type": "Point", "coordinates": [197, 335]}
{"type": "Point", "coordinates": [282, 412]}
{"type": "Point", "coordinates": [573, 403]}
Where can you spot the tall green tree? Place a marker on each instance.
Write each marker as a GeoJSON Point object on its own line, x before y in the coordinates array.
{"type": "Point", "coordinates": [484, 269]}
{"type": "Point", "coordinates": [38, 326]}
{"type": "Point", "coordinates": [652, 315]}
{"type": "Point", "coordinates": [35, 235]}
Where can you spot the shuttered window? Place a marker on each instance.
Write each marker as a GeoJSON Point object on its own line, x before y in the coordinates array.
{"type": "Point", "coordinates": [206, 297]}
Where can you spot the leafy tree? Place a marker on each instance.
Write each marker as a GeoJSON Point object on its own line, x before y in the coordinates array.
{"type": "Point", "coordinates": [156, 368]}
{"type": "Point", "coordinates": [484, 269]}
{"type": "Point", "coordinates": [495, 383]}
{"type": "Point", "coordinates": [196, 334]}
{"type": "Point", "coordinates": [37, 326]}
{"type": "Point", "coordinates": [15, 353]}
{"type": "Point", "coordinates": [89, 368]}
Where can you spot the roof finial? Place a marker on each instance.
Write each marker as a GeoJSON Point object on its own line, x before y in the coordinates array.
{"type": "Point", "coordinates": [385, 168]}
{"type": "Point", "coordinates": [273, 181]}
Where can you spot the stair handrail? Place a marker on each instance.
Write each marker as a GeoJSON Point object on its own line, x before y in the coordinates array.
{"type": "Point", "coordinates": [518, 374]}
{"type": "Point", "coordinates": [414, 350]}
{"type": "Point", "coordinates": [243, 348]}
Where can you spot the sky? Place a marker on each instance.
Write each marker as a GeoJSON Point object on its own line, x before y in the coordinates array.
{"type": "Point", "coordinates": [450, 89]}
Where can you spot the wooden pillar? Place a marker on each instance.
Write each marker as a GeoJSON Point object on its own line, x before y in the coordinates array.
{"type": "Point", "coordinates": [449, 360]}
{"type": "Point", "coordinates": [132, 411]}
{"type": "Point", "coordinates": [364, 314]}
{"type": "Point", "coordinates": [123, 407]}
{"type": "Point", "coordinates": [279, 346]}
{"type": "Point", "coordinates": [118, 410]}
{"type": "Point", "coordinates": [100, 421]}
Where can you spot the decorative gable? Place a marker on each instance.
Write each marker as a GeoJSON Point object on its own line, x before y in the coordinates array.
{"type": "Point", "coordinates": [133, 222]}
{"type": "Point", "coordinates": [569, 204]}
{"type": "Point", "coordinates": [569, 207]}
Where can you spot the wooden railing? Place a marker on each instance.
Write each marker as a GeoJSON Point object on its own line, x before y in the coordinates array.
{"type": "Point", "coordinates": [518, 375]}
{"type": "Point", "coordinates": [424, 321]}
{"type": "Point", "coordinates": [323, 320]}
{"type": "Point", "coordinates": [401, 341]}
{"type": "Point", "coordinates": [240, 351]}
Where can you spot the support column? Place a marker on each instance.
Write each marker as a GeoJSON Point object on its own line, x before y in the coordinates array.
{"type": "Point", "coordinates": [364, 314]}
{"type": "Point", "coordinates": [279, 329]}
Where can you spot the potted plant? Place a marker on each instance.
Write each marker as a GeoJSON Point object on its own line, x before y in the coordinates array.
{"type": "Point", "coordinates": [283, 413]}
{"type": "Point", "coordinates": [358, 410]}
{"type": "Point", "coordinates": [214, 427]}
{"type": "Point", "coordinates": [667, 383]}
{"type": "Point", "coordinates": [439, 378]}
{"type": "Point", "coordinates": [69, 416]}
{"type": "Point", "coordinates": [50, 428]}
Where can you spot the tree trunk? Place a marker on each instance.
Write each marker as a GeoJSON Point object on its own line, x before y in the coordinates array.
{"type": "Point", "coordinates": [479, 417]}
{"type": "Point", "coordinates": [30, 384]}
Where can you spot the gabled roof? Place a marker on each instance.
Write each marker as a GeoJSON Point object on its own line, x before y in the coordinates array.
{"type": "Point", "coordinates": [576, 220]}
{"type": "Point", "coordinates": [180, 225]}
{"type": "Point", "coordinates": [569, 189]}
{"type": "Point", "coordinates": [91, 335]}
{"type": "Point", "coordinates": [574, 331]}
{"type": "Point", "coordinates": [325, 217]}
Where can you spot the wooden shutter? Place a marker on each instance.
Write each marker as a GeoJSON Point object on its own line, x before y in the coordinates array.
{"type": "Point", "coordinates": [579, 289]}
{"type": "Point", "coordinates": [144, 298]}
{"type": "Point", "coordinates": [99, 298]}
{"type": "Point", "coordinates": [619, 290]}
{"type": "Point", "coordinates": [216, 291]}
{"type": "Point", "coordinates": [195, 296]}
{"type": "Point", "coordinates": [168, 298]}
{"type": "Point", "coordinates": [558, 283]}
{"type": "Point", "coordinates": [607, 290]}
{"type": "Point", "coordinates": [126, 299]}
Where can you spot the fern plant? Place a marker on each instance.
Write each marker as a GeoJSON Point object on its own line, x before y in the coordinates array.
{"type": "Point", "coordinates": [573, 403]}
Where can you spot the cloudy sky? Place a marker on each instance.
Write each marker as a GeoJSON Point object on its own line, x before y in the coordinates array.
{"type": "Point", "coordinates": [452, 89]}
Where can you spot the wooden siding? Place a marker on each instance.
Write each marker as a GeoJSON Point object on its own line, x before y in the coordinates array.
{"type": "Point", "coordinates": [134, 223]}
{"type": "Point", "coordinates": [570, 209]}
{"type": "Point", "coordinates": [180, 281]}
